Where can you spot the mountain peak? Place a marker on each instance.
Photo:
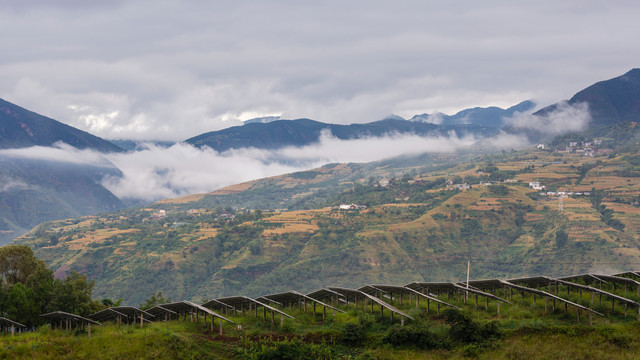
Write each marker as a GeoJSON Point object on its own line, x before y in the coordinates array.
{"type": "Point", "coordinates": [21, 128]}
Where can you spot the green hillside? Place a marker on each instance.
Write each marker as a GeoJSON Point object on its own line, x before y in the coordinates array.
{"type": "Point", "coordinates": [421, 225]}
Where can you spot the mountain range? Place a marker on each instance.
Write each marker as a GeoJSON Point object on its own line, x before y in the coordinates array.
{"type": "Point", "coordinates": [301, 132]}
{"type": "Point", "coordinates": [492, 117]}
{"type": "Point", "coordinates": [37, 191]}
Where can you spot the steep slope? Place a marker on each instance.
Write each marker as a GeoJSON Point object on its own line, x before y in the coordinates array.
{"type": "Point", "coordinates": [21, 128]}
{"type": "Point", "coordinates": [611, 101]}
{"type": "Point", "coordinates": [34, 191]}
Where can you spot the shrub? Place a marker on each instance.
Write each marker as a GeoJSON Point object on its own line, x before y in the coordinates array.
{"type": "Point", "coordinates": [353, 334]}
{"type": "Point", "coordinates": [467, 331]}
{"type": "Point", "coordinates": [415, 336]}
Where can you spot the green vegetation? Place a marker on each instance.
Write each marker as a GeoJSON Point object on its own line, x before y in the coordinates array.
{"type": "Point", "coordinates": [522, 332]}
{"type": "Point", "coordinates": [524, 328]}
{"type": "Point", "coordinates": [28, 289]}
{"type": "Point", "coordinates": [418, 226]}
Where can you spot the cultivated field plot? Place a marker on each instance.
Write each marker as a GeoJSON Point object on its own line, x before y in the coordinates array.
{"type": "Point", "coordinates": [605, 182]}
{"type": "Point", "coordinates": [183, 199]}
{"type": "Point", "coordinates": [629, 215]}
{"type": "Point", "coordinates": [81, 242]}
{"type": "Point", "coordinates": [294, 221]}
{"type": "Point", "coordinates": [487, 204]}
{"type": "Point", "coordinates": [542, 176]}
{"type": "Point", "coordinates": [206, 232]}
{"type": "Point", "coordinates": [579, 209]}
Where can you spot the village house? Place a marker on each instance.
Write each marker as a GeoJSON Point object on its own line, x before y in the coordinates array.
{"type": "Point", "coordinates": [352, 207]}
{"type": "Point", "coordinates": [536, 186]}
{"type": "Point", "coordinates": [159, 214]}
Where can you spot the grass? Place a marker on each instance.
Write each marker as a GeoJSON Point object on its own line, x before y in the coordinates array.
{"type": "Point", "coordinates": [173, 340]}
{"type": "Point", "coordinates": [527, 332]}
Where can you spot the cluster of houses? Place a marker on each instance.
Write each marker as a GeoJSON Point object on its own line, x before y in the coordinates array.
{"type": "Point", "coordinates": [588, 148]}
{"type": "Point", "coordinates": [565, 193]}
{"type": "Point", "coordinates": [535, 185]}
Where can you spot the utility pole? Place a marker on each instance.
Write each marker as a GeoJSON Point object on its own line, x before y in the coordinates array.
{"type": "Point", "coordinates": [466, 293]}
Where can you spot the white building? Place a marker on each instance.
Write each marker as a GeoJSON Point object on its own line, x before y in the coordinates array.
{"type": "Point", "coordinates": [536, 186]}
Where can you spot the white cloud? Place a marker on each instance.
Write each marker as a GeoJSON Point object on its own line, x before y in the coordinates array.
{"type": "Point", "coordinates": [60, 152]}
{"type": "Point", "coordinates": [183, 68]}
{"type": "Point", "coordinates": [9, 184]}
{"type": "Point", "coordinates": [562, 119]}
{"type": "Point", "coordinates": [156, 173]}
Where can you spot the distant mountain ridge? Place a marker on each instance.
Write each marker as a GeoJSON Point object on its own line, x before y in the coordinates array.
{"type": "Point", "coordinates": [490, 116]}
{"type": "Point", "coordinates": [610, 101]}
{"type": "Point", "coordinates": [21, 128]}
{"type": "Point", "coordinates": [301, 132]}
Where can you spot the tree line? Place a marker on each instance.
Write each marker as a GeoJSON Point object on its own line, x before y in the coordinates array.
{"type": "Point", "coordinates": [28, 288]}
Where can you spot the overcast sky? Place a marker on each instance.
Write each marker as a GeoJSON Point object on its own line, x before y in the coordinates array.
{"type": "Point", "coordinates": [170, 70]}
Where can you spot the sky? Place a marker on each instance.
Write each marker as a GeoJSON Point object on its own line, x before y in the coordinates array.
{"type": "Point", "coordinates": [170, 70]}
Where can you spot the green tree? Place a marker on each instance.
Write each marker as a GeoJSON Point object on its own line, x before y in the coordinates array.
{"type": "Point", "coordinates": [153, 300]}
{"type": "Point", "coordinates": [561, 238]}
{"type": "Point", "coordinates": [110, 303]}
{"type": "Point", "coordinates": [17, 263]}
{"type": "Point", "coordinates": [21, 305]}
{"type": "Point", "coordinates": [73, 295]}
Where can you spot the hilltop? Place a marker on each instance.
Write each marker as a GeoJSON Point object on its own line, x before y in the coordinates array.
{"type": "Point", "coordinates": [21, 128]}
{"type": "Point", "coordinates": [610, 101]}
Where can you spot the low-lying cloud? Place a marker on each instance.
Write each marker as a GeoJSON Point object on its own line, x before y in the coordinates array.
{"type": "Point", "coordinates": [564, 118]}
{"type": "Point", "coordinates": [59, 152]}
{"type": "Point", "coordinates": [9, 184]}
{"type": "Point", "coordinates": [155, 172]}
